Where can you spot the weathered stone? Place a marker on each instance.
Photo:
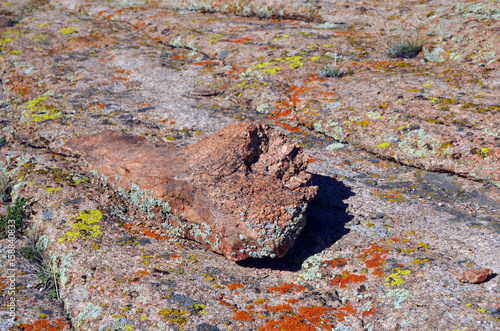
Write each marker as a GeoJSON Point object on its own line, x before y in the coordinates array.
{"type": "Point", "coordinates": [241, 192]}
{"type": "Point", "coordinates": [475, 276]}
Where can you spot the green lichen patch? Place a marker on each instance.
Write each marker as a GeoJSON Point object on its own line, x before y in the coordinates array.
{"type": "Point", "coordinates": [88, 227]}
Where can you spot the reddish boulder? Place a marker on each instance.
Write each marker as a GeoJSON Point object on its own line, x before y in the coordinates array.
{"type": "Point", "coordinates": [475, 276]}
{"type": "Point", "coordinates": [241, 192]}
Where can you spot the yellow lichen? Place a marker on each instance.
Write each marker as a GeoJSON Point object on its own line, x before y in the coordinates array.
{"type": "Point", "coordinates": [420, 261]}
{"type": "Point", "coordinates": [53, 189]}
{"type": "Point", "coordinates": [383, 145]}
{"type": "Point", "coordinates": [68, 30]}
{"type": "Point", "coordinates": [175, 316]}
{"type": "Point", "coordinates": [394, 278]}
{"type": "Point", "coordinates": [271, 71]}
{"type": "Point", "coordinates": [38, 111]}
{"type": "Point", "coordinates": [87, 227]}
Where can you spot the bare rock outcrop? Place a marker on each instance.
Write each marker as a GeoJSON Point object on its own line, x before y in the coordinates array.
{"type": "Point", "coordinates": [241, 192]}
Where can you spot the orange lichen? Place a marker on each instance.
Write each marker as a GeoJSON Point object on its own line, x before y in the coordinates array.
{"type": "Point", "coordinates": [313, 314]}
{"type": "Point", "coordinates": [299, 321]}
{"type": "Point", "coordinates": [378, 272]}
{"type": "Point", "coordinates": [150, 234]}
{"type": "Point", "coordinates": [375, 261]}
{"type": "Point", "coordinates": [244, 40]}
{"type": "Point", "coordinates": [285, 309]}
{"type": "Point", "coordinates": [128, 227]}
{"type": "Point", "coordinates": [234, 286]}
{"type": "Point", "coordinates": [46, 325]}
{"type": "Point", "coordinates": [139, 25]}
{"type": "Point", "coordinates": [292, 300]}
{"type": "Point", "coordinates": [371, 311]}
{"type": "Point", "coordinates": [141, 273]}
{"type": "Point", "coordinates": [377, 255]}
{"type": "Point", "coordinates": [204, 63]}
{"type": "Point", "coordinates": [285, 288]}
{"type": "Point", "coordinates": [260, 301]}
{"type": "Point", "coordinates": [224, 303]}
{"type": "Point", "coordinates": [243, 316]}
{"type": "Point", "coordinates": [287, 126]}
{"type": "Point", "coordinates": [288, 323]}
{"type": "Point", "coordinates": [347, 278]}
{"type": "Point", "coordinates": [344, 311]}
{"type": "Point", "coordinates": [339, 261]}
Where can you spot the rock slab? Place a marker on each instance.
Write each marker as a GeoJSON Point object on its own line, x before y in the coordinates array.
{"type": "Point", "coordinates": [477, 276]}
{"type": "Point", "coordinates": [241, 192]}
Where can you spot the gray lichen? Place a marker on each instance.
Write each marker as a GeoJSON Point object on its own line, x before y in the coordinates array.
{"type": "Point", "coordinates": [90, 311]}
{"type": "Point", "coordinates": [118, 324]}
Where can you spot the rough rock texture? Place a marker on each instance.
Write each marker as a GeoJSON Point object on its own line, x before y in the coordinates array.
{"type": "Point", "coordinates": [406, 160]}
{"type": "Point", "coordinates": [241, 192]}
{"type": "Point", "coordinates": [477, 276]}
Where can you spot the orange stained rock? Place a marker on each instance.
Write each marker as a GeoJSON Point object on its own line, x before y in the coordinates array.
{"type": "Point", "coordinates": [129, 226]}
{"type": "Point", "coordinates": [139, 25]}
{"type": "Point", "coordinates": [285, 125]}
{"type": "Point", "coordinates": [347, 278]}
{"type": "Point", "coordinates": [339, 261]}
{"type": "Point", "coordinates": [260, 301]}
{"type": "Point", "coordinates": [286, 287]}
{"type": "Point", "coordinates": [313, 314]}
{"type": "Point", "coordinates": [285, 309]}
{"type": "Point", "coordinates": [348, 309]}
{"type": "Point", "coordinates": [288, 323]}
{"type": "Point", "coordinates": [150, 234]}
{"type": "Point", "coordinates": [222, 302]}
{"type": "Point", "coordinates": [371, 311]}
{"type": "Point", "coordinates": [204, 63]}
{"type": "Point", "coordinates": [378, 272]}
{"type": "Point", "coordinates": [344, 311]}
{"type": "Point", "coordinates": [141, 273]}
{"type": "Point", "coordinates": [234, 286]}
{"type": "Point", "coordinates": [244, 40]}
{"type": "Point", "coordinates": [375, 261]}
{"type": "Point", "coordinates": [283, 113]}
{"type": "Point", "coordinates": [45, 325]}
{"type": "Point", "coordinates": [242, 316]}
{"type": "Point", "coordinates": [99, 14]}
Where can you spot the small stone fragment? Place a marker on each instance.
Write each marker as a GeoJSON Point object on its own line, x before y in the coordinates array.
{"type": "Point", "coordinates": [475, 276]}
{"type": "Point", "coordinates": [241, 192]}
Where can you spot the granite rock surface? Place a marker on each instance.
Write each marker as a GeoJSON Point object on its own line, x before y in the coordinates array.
{"type": "Point", "coordinates": [405, 158]}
